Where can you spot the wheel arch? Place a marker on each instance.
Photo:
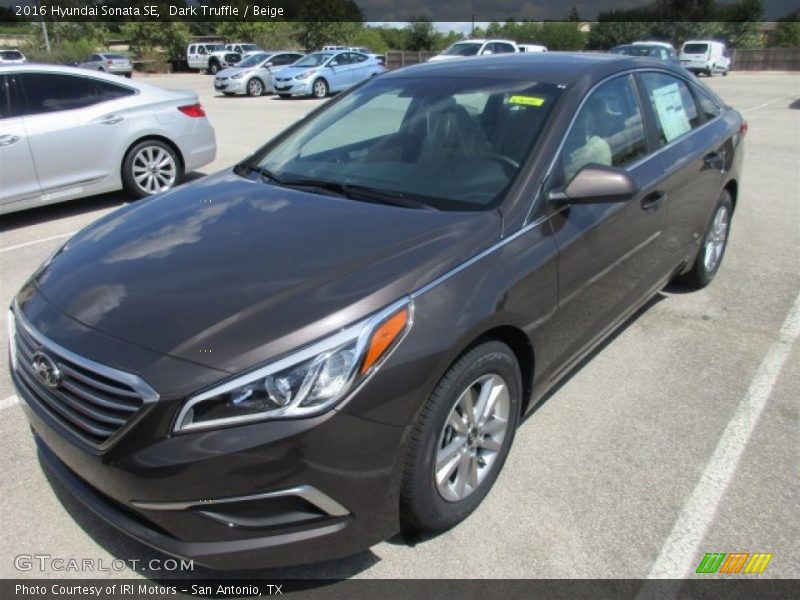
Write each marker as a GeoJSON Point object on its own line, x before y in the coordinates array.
{"type": "Point", "coordinates": [732, 187]}
{"type": "Point", "coordinates": [520, 345]}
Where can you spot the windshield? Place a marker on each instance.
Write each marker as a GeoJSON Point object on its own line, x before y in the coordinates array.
{"type": "Point", "coordinates": [636, 50]}
{"type": "Point", "coordinates": [313, 60]}
{"type": "Point", "coordinates": [214, 47]}
{"type": "Point", "coordinates": [450, 144]}
{"type": "Point", "coordinates": [249, 47]}
{"type": "Point", "coordinates": [253, 60]}
{"type": "Point", "coordinates": [463, 49]}
{"type": "Point", "coordinates": [695, 48]}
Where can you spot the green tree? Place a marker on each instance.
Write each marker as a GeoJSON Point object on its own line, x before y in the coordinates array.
{"type": "Point", "coordinates": [369, 38]}
{"type": "Point", "coordinates": [168, 40]}
{"type": "Point", "coordinates": [420, 35]}
{"type": "Point", "coordinates": [562, 36]}
{"type": "Point", "coordinates": [787, 31]}
{"type": "Point", "coordinates": [573, 15]}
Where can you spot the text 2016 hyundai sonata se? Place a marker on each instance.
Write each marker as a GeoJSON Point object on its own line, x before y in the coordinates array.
{"type": "Point", "coordinates": [282, 362]}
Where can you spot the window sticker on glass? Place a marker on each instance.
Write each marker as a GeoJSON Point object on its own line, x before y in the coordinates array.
{"type": "Point", "coordinates": [671, 112]}
{"type": "Point", "coordinates": [526, 100]}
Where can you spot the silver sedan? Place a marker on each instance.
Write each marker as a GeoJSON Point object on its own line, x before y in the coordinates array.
{"type": "Point", "coordinates": [253, 75]}
{"type": "Point", "coordinates": [108, 63]}
{"type": "Point", "coordinates": [79, 133]}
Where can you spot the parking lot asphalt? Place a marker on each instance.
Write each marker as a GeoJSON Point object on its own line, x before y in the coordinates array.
{"type": "Point", "coordinates": [679, 436]}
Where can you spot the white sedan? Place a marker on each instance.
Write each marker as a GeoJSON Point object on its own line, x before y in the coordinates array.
{"type": "Point", "coordinates": [67, 133]}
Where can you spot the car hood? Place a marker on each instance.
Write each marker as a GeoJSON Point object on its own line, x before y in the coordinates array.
{"type": "Point", "coordinates": [232, 71]}
{"type": "Point", "coordinates": [228, 272]}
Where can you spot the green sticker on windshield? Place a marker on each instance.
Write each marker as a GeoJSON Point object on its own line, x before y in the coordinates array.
{"type": "Point", "coordinates": [526, 100]}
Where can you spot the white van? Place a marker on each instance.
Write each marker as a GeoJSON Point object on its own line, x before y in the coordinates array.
{"type": "Point", "coordinates": [705, 56]}
{"type": "Point", "coordinates": [531, 48]}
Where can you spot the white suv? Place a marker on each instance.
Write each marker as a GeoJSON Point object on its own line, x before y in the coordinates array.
{"type": "Point", "coordinates": [467, 48]}
{"type": "Point", "coordinates": [705, 56]}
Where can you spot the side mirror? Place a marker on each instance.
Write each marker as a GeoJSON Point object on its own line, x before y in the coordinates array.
{"type": "Point", "coordinates": [597, 184]}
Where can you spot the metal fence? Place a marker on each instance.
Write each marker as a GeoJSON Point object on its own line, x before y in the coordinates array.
{"type": "Point", "coordinates": [768, 59]}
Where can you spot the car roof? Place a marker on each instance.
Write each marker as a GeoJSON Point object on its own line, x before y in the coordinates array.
{"type": "Point", "coordinates": [547, 67]}
{"type": "Point", "coordinates": [483, 41]}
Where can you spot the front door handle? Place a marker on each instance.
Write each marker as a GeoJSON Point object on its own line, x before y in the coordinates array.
{"type": "Point", "coordinates": [653, 200]}
{"type": "Point", "coordinates": [112, 120]}
{"type": "Point", "coordinates": [714, 160]}
{"type": "Point", "coordinates": [7, 140]}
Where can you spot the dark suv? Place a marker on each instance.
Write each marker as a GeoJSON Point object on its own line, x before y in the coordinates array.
{"type": "Point", "coordinates": [281, 362]}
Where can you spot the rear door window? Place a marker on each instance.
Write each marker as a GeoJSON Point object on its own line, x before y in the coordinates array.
{"type": "Point", "coordinates": [695, 48]}
{"type": "Point", "coordinates": [53, 92]}
{"type": "Point", "coordinates": [673, 104]}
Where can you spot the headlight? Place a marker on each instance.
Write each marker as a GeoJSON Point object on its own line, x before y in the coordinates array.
{"type": "Point", "coordinates": [238, 75]}
{"type": "Point", "coordinates": [305, 74]}
{"type": "Point", "coordinates": [305, 383]}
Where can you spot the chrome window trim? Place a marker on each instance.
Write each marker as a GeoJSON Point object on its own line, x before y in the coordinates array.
{"type": "Point", "coordinates": [637, 163]}
{"type": "Point", "coordinates": [308, 493]}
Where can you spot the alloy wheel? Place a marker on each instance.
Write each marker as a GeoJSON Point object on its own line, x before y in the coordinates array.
{"type": "Point", "coordinates": [255, 87]}
{"type": "Point", "coordinates": [472, 437]}
{"type": "Point", "coordinates": [320, 89]}
{"type": "Point", "coordinates": [716, 239]}
{"type": "Point", "coordinates": [154, 169]}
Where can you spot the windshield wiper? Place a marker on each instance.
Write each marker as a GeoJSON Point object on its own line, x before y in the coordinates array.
{"type": "Point", "coordinates": [359, 192]}
{"type": "Point", "coordinates": [266, 174]}
{"type": "Point", "coordinates": [344, 190]}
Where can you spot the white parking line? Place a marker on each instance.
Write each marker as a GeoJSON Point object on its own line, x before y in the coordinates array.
{"type": "Point", "coordinates": [747, 110]}
{"type": "Point", "coordinates": [39, 241]}
{"type": "Point", "coordinates": [8, 402]}
{"type": "Point", "coordinates": [678, 554]}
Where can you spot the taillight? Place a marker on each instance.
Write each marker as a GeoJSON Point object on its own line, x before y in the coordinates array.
{"type": "Point", "coordinates": [109, 62]}
{"type": "Point", "coordinates": [193, 110]}
{"type": "Point", "coordinates": [743, 127]}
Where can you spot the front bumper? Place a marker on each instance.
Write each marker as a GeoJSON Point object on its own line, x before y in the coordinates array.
{"type": "Point", "coordinates": [229, 85]}
{"type": "Point", "coordinates": [293, 87]}
{"type": "Point", "coordinates": [273, 493]}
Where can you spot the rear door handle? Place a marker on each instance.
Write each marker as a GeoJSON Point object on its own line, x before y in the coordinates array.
{"type": "Point", "coordinates": [112, 120]}
{"type": "Point", "coordinates": [714, 160]}
{"type": "Point", "coordinates": [653, 199]}
{"type": "Point", "coordinates": [7, 140]}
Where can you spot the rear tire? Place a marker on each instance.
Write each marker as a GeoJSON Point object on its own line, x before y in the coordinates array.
{"type": "Point", "coordinates": [151, 167]}
{"type": "Point", "coordinates": [461, 438]}
{"type": "Point", "coordinates": [709, 257]}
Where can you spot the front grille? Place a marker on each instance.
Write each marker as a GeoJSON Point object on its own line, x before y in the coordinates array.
{"type": "Point", "coordinates": [94, 402]}
{"type": "Point", "coordinates": [232, 58]}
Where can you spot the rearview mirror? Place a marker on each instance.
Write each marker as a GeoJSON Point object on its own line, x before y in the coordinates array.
{"type": "Point", "coordinates": [596, 184]}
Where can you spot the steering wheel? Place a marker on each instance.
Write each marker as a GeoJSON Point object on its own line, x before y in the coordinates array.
{"type": "Point", "coordinates": [509, 164]}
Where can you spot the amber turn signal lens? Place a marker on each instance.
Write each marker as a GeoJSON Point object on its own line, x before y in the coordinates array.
{"type": "Point", "coordinates": [384, 337]}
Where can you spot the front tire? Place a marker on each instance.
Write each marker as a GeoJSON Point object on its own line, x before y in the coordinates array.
{"type": "Point", "coordinates": [461, 438]}
{"type": "Point", "coordinates": [255, 87]}
{"type": "Point", "coordinates": [709, 257]}
{"type": "Point", "coordinates": [151, 167]}
{"type": "Point", "coordinates": [213, 67]}
{"type": "Point", "coordinates": [320, 88]}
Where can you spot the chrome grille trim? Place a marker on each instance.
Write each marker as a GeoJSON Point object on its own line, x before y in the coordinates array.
{"type": "Point", "coordinates": [93, 402]}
